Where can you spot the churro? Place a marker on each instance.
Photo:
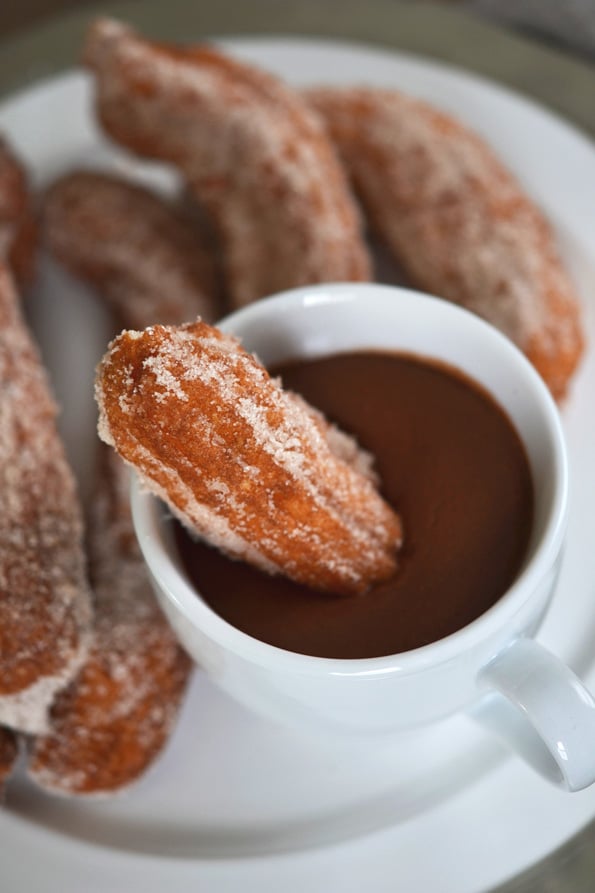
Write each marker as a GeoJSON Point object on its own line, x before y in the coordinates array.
{"type": "Point", "coordinates": [44, 597]}
{"type": "Point", "coordinates": [113, 720]}
{"type": "Point", "coordinates": [18, 230]}
{"type": "Point", "coordinates": [240, 461]}
{"type": "Point", "coordinates": [255, 155]}
{"type": "Point", "coordinates": [457, 220]}
{"type": "Point", "coordinates": [140, 253]}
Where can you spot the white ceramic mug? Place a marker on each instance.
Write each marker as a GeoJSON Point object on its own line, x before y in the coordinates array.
{"type": "Point", "coordinates": [493, 667]}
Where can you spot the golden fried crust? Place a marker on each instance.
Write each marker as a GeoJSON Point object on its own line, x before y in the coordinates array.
{"type": "Point", "coordinates": [242, 462]}
{"type": "Point", "coordinates": [9, 751]}
{"type": "Point", "coordinates": [457, 221]}
{"type": "Point", "coordinates": [114, 719]}
{"type": "Point", "coordinates": [44, 597]}
{"type": "Point", "coordinates": [18, 230]}
{"type": "Point", "coordinates": [256, 157]}
{"type": "Point", "coordinates": [141, 254]}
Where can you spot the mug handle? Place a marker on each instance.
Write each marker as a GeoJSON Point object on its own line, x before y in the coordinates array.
{"type": "Point", "coordinates": [535, 704]}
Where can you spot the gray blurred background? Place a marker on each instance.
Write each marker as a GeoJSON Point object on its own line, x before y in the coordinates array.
{"type": "Point", "coordinates": [567, 24]}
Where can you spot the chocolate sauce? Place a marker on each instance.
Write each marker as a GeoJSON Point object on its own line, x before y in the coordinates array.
{"type": "Point", "coordinates": [451, 463]}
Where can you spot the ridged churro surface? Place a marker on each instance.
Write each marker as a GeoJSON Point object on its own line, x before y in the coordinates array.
{"type": "Point", "coordinates": [253, 152]}
{"type": "Point", "coordinates": [44, 596]}
{"type": "Point", "coordinates": [240, 461]}
{"type": "Point", "coordinates": [116, 716]}
{"type": "Point", "coordinates": [141, 254]}
{"type": "Point", "coordinates": [457, 220]}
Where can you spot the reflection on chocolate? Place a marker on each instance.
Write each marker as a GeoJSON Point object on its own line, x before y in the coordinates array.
{"type": "Point", "coordinates": [450, 462]}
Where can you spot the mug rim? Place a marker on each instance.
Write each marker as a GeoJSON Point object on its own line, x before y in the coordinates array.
{"type": "Point", "coordinates": [150, 517]}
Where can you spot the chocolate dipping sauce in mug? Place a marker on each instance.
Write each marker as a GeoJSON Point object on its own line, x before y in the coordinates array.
{"type": "Point", "coordinates": [452, 464]}
{"type": "Point", "coordinates": [490, 665]}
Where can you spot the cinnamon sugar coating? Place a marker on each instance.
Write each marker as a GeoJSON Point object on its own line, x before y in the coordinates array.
{"type": "Point", "coordinates": [114, 719]}
{"type": "Point", "coordinates": [141, 254]}
{"type": "Point", "coordinates": [9, 752]}
{"type": "Point", "coordinates": [241, 462]}
{"type": "Point", "coordinates": [18, 230]}
{"type": "Point", "coordinates": [457, 220]}
{"type": "Point", "coordinates": [252, 151]}
{"type": "Point", "coordinates": [44, 598]}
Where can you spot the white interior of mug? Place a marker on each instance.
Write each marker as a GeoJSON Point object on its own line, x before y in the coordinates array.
{"type": "Point", "coordinates": [327, 319]}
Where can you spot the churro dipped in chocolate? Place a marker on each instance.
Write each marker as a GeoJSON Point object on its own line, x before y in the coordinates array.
{"type": "Point", "coordinates": [241, 462]}
{"type": "Point", "coordinates": [253, 152]}
{"type": "Point", "coordinates": [140, 253]}
{"type": "Point", "coordinates": [18, 230]}
{"type": "Point", "coordinates": [457, 221]}
{"type": "Point", "coordinates": [113, 720]}
{"type": "Point", "coordinates": [44, 597]}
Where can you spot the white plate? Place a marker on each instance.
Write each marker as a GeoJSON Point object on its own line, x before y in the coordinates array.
{"type": "Point", "coordinates": [237, 804]}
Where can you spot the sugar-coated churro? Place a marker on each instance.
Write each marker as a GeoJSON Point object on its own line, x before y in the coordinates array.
{"type": "Point", "coordinates": [457, 220]}
{"type": "Point", "coordinates": [256, 156]}
{"type": "Point", "coordinates": [113, 720]}
{"type": "Point", "coordinates": [18, 229]}
{"type": "Point", "coordinates": [140, 252]}
{"type": "Point", "coordinates": [242, 462]}
{"type": "Point", "coordinates": [44, 597]}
